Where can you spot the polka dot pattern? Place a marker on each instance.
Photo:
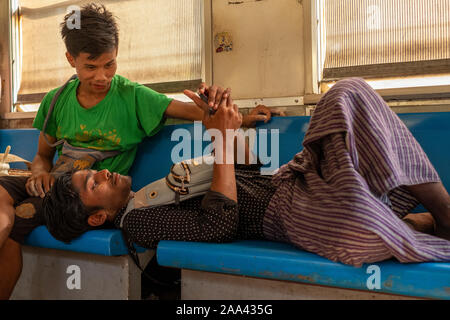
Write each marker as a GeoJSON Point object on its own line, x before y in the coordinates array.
{"type": "Point", "coordinates": [209, 218]}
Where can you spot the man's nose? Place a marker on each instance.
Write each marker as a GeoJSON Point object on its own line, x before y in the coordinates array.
{"type": "Point", "coordinates": [103, 175]}
{"type": "Point", "coordinates": [100, 75]}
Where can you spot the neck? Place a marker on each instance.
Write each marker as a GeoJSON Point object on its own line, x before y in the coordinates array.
{"type": "Point", "coordinates": [88, 99]}
{"type": "Point", "coordinates": [114, 215]}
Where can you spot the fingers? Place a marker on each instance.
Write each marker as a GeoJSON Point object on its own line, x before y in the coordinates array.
{"type": "Point", "coordinates": [197, 100]}
{"type": "Point", "coordinates": [31, 188]}
{"type": "Point", "coordinates": [214, 96]}
{"type": "Point", "coordinates": [240, 116]}
{"type": "Point", "coordinates": [250, 119]}
{"type": "Point", "coordinates": [262, 109]}
{"type": "Point", "coordinates": [38, 186]}
{"type": "Point", "coordinates": [214, 93]}
{"type": "Point", "coordinates": [257, 117]}
{"type": "Point", "coordinates": [278, 112]}
{"type": "Point", "coordinates": [203, 88]}
{"type": "Point", "coordinates": [223, 103]}
{"type": "Point", "coordinates": [230, 103]}
{"type": "Point", "coordinates": [226, 101]}
{"type": "Point", "coordinates": [219, 97]}
{"type": "Point", "coordinates": [48, 183]}
{"type": "Point", "coordinates": [268, 115]}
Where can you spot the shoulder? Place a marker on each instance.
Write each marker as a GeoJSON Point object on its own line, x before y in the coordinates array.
{"type": "Point", "coordinates": [51, 94]}
{"type": "Point", "coordinates": [124, 84]}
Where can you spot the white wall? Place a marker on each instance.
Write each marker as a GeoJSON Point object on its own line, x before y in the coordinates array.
{"type": "Point", "coordinates": [267, 58]}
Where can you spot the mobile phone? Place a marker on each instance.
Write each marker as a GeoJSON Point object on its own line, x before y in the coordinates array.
{"type": "Point", "coordinates": [203, 97]}
{"type": "Point", "coordinates": [205, 100]}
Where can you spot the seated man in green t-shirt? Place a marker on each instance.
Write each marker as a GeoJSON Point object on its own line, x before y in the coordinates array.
{"type": "Point", "coordinates": [99, 110]}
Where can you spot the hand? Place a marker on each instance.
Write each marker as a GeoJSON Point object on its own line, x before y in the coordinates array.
{"type": "Point", "coordinates": [260, 113]}
{"type": "Point", "coordinates": [224, 94]}
{"type": "Point", "coordinates": [226, 117]}
{"type": "Point", "coordinates": [214, 94]}
{"type": "Point", "coordinates": [40, 183]}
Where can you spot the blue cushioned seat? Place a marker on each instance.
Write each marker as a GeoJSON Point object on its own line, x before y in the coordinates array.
{"type": "Point", "coordinates": [282, 261]}
{"type": "Point", "coordinates": [106, 242]}
{"type": "Point", "coordinates": [264, 259]}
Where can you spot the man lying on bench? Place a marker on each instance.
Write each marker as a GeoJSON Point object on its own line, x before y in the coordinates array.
{"type": "Point", "coordinates": [343, 197]}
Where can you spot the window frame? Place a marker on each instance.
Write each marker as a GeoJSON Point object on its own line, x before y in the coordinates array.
{"type": "Point", "coordinates": [5, 60]}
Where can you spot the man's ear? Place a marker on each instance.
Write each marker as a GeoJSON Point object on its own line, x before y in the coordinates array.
{"type": "Point", "coordinates": [98, 218]}
{"type": "Point", "coordinates": [71, 59]}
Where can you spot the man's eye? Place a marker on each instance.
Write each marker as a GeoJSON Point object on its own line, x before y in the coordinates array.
{"type": "Point", "coordinates": [94, 185]}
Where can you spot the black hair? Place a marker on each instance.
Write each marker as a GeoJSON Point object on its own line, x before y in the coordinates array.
{"type": "Point", "coordinates": [64, 213]}
{"type": "Point", "coordinates": [98, 32]}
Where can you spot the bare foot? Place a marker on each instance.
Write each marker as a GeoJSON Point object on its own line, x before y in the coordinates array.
{"type": "Point", "coordinates": [422, 222]}
{"type": "Point", "coordinates": [436, 200]}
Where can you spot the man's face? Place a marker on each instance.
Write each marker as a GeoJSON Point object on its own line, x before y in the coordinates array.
{"type": "Point", "coordinates": [95, 75]}
{"type": "Point", "coordinates": [102, 189]}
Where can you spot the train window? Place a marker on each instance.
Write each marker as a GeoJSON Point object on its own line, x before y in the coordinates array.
{"type": "Point", "coordinates": [395, 43]}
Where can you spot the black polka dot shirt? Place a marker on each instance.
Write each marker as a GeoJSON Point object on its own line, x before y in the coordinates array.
{"type": "Point", "coordinates": [209, 218]}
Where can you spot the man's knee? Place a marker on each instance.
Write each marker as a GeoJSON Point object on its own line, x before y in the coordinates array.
{"type": "Point", "coordinates": [351, 85]}
{"type": "Point", "coordinates": [356, 91]}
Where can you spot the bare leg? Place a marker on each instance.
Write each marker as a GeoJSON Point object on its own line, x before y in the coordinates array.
{"type": "Point", "coordinates": [436, 200]}
{"type": "Point", "coordinates": [10, 267]}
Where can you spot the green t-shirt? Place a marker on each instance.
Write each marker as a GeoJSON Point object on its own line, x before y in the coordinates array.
{"type": "Point", "coordinates": [127, 114]}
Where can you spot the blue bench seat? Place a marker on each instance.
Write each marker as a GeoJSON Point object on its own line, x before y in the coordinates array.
{"type": "Point", "coordinates": [284, 262]}
{"type": "Point", "coordinates": [105, 242]}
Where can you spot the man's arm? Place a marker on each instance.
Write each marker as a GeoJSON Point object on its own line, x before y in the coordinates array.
{"type": "Point", "coordinates": [183, 110]}
{"type": "Point", "coordinates": [224, 180]}
{"type": "Point", "coordinates": [41, 180]}
{"type": "Point", "coordinates": [227, 117]}
{"type": "Point", "coordinates": [242, 152]}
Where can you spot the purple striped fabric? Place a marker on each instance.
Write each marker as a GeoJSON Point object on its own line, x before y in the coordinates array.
{"type": "Point", "coordinates": [343, 196]}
